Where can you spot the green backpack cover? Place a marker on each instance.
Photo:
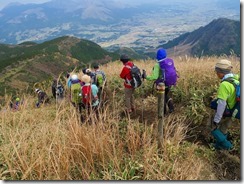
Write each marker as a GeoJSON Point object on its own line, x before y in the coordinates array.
{"type": "Point", "coordinates": [99, 80]}
{"type": "Point", "coordinates": [76, 94]}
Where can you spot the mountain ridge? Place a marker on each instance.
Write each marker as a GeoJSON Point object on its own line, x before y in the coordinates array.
{"type": "Point", "coordinates": [46, 60]}
{"type": "Point", "coordinates": [221, 36]}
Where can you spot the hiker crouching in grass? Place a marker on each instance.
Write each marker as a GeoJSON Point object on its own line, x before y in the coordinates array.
{"type": "Point", "coordinates": [226, 99]}
{"type": "Point", "coordinates": [42, 97]}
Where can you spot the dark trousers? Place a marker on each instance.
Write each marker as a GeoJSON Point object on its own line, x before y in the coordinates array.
{"type": "Point", "coordinates": [168, 101]}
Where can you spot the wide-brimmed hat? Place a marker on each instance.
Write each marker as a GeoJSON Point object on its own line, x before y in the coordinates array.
{"type": "Point", "coordinates": [223, 66]}
{"type": "Point", "coordinates": [86, 78]}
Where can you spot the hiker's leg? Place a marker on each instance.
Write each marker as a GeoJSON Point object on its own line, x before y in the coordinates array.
{"type": "Point", "coordinates": [170, 101]}
{"type": "Point", "coordinates": [166, 98]}
{"type": "Point", "coordinates": [132, 101]}
{"type": "Point", "coordinates": [225, 124]}
{"type": "Point", "coordinates": [128, 94]}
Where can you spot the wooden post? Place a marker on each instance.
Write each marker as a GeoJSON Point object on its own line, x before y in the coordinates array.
{"type": "Point", "coordinates": [161, 94]}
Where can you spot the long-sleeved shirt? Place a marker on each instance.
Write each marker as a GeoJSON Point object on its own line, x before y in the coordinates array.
{"type": "Point", "coordinates": [225, 95]}
{"type": "Point", "coordinates": [156, 72]}
{"type": "Point", "coordinates": [125, 74]}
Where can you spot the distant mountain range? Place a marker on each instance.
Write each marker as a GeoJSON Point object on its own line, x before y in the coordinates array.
{"type": "Point", "coordinates": [111, 23]}
{"type": "Point", "coordinates": [46, 60]}
{"type": "Point", "coordinates": [221, 36]}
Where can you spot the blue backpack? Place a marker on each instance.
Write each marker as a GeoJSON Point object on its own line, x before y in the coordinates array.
{"type": "Point", "coordinates": [235, 111]}
{"type": "Point", "coordinates": [169, 74]}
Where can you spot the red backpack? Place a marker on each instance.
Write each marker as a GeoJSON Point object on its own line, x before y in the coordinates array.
{"type": "Point", "coordinates": [87, 95]}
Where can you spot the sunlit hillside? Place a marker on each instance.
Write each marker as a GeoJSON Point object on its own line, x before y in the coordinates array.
{"type": "Point", "coordinates": [50, 142]}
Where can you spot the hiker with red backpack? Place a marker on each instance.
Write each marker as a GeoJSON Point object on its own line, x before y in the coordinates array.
{"type": "Point", "coordinates": [225, 103]}
{"type": "Point", "coordinates": [164, 71]}
{"type": "Point", "coordinates": [90, 101]}
{"type": "Point", "coordinates": [128, 88]}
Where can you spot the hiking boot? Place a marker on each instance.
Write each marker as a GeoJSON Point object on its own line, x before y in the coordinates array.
{"type": "Point", "coordinates": [170, 105]}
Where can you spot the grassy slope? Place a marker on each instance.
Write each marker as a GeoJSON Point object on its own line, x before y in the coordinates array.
{"type": "Point", "coordinates": [23, 65]}
{"type": "Point", "coordinates": [50, 144]}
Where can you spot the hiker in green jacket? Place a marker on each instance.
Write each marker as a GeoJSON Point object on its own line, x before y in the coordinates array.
{"type": "Point", "coordinates": [226, 97]}
{"type": "Point", "coordinates": [226, 100]}
{"type": "Point", "coordinates": [164, 71]}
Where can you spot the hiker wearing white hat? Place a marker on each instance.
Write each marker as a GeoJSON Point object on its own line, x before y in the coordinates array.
{"type": "Point", "coordinates": [224, 104]}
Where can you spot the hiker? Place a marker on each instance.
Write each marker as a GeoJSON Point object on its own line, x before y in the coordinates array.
{"type": "Point", "coordinates": [226, 99]}
{"type": "Point", "coordinates": [128, 89]}
{"type": "Point", "coordinates": [164, 71]}
{"type": "Point", "coordinates": [57, 89]}
{"type": "Point", "coordinates": [88, 72]}
{"type": "Point", "coordinates": [90, 99]}
{"type": "Point", "coordinates": [100, 79]}
{"type": "Point", "coordinates": [74, 84]}
{"type": "Point", "coordinates": [15, 104]}
{"type": "Point", "coordinates": [42, 97]}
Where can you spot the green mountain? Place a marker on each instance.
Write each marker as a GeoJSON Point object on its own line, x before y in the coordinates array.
{"type": "Point", "coordinates": [221, 36]}
{"type": "Point", "coordinates": [25, 64]}
{"type": "Point", "coordinates": [131, 53]}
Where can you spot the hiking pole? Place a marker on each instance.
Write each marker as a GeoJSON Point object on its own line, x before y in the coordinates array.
{"type": "Point", "coordinates": [161, 94]}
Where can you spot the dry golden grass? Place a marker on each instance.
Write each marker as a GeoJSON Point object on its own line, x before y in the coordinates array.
{"type": "Point", "coordinates": [50, 143]}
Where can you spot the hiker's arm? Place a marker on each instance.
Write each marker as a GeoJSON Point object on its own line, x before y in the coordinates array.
{"type": "Point", "coordinates": [220, 110]}
{"type": "Point", "coordinates": [155, 73]}
{"type": "Point", "coordinates": [124, 72]}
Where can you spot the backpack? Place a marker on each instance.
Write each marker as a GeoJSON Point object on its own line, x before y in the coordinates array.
{"type": "Point", "coordinates": [87, 96]}
{"type": "Point", "coordinates": [135, 72]}
{"type": "Point", "coordinates": [235, 111]}
{"type": "Point", "coordinates": [76, 94]}
{"type": "Point", "coordinates": [59, 90]}
{"type": "Point", "coordinates": [99, 79]}
{"type": "Point", "coordinates": [169, 74]}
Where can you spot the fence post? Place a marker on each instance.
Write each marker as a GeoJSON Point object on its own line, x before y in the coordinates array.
{"type": "Point", "coordinates": [161, 94]}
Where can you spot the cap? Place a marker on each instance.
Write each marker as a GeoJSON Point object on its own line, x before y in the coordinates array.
{"type": "Point", "coordinates": [161, 54]}
{"type": "Point", "coordinates": [124, 57]}
{"type": "Point", "coordinates": [74, 77]}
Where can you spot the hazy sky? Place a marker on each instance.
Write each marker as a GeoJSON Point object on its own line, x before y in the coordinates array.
{"type": "Point", "coordinates": [5, 2]}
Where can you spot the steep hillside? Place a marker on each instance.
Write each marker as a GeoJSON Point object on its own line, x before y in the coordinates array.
{"type": "Point", "coordinates": [221, 36]}
{"type": "Point", "coordinates": [25, 64]}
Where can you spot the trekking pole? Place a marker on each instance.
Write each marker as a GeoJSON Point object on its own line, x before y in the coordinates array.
{"type": "Point", "coordinates": [161, 94]}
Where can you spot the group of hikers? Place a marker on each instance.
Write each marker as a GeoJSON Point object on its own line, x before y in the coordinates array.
{"type": "Point", "coordinates": [86, 92]}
